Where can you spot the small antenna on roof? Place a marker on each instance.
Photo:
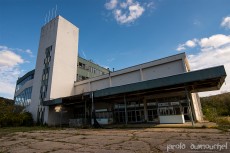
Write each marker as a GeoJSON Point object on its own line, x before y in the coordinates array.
{"type": "Point", "coordinates": [52, 14]}
{"type": "Point", "coordinates": [49, 16]}
{"type": "Point", "coordinates": [56, 11]}
{"type": "Point", "coordinates": [45, 18]}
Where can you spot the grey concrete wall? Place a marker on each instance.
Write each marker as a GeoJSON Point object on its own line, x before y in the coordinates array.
{"type": "Point", "coordinates": [63, 36]}
{"type": "Point", "coordinates": [197, 107]}
{"type": "Point", "coordinates": [152, 70]}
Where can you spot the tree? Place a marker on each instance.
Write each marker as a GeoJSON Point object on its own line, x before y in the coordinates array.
{"type": "Point", "coordinates": [13, 115]}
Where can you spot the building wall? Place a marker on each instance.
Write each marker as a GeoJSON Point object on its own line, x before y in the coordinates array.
{"type": "Point", "coordinates": [127, 78]}
{"type": "Point", "coordinates": [163, 70]}
{"type": "Point", "coordinates": [47, 38]}
{"type": "Point", "coordinates": [87, 69]}
{"type": "Point", "coordinates": [57, 118]}
{"type": "Point", "coordinates": [62, 69]}
{"type": "Point", "coordinates": [100, 84]}
{"type": "Point", "coordinates": [64, 62]}
{"type": "Point", "coordinates": [23, 90]}
{"type": "Point", "coordinates": [152, 70]}
{"type": "Point", "coordinates": [63, 37]}
{"type": "Point", "coordinates": [23, 95]}
{"type": "Point", "coordinates": [28, 84]}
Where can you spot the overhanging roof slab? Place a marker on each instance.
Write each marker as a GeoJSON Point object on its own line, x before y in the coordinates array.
{"type": "Point", "coordinates": [200, 80]}
{"type": "Point", "coordinates": [196, 81]}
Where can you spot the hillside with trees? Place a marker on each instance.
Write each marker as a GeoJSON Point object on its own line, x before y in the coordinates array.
{"type": "Point", "coordinates": [13, 115]}
{"type": "Point", "coordinates": [219, 104]}
{"type": "Point", "coordinates": [217, 109]}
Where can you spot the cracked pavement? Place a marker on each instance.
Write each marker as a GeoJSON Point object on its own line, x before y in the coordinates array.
{"type": "Point", "coordinates": [148, 140]}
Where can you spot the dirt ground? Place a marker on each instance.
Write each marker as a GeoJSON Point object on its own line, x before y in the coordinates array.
{"type": "Point", "coordinates": [117, 141]}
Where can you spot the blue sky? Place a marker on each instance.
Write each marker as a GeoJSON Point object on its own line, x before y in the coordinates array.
{"type": "Point", "coordinates": [118, 33]}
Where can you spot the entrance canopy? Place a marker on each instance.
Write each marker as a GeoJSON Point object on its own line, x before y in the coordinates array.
{"type": "Point", "coordinates": [194, 81]}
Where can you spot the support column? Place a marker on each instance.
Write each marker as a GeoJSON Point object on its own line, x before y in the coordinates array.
{"type": "Point", "coordinates": [126, 118]}
{"type": "Point", "coordinates": [110, 81]}
{"type": "Point", "coordinates": [145, 110]}
{"type": "Point", "coordinates": [141, 74]}
{"type": "Point", "coordinates": [85, 122]}
{"type": "Point", "coordinates": [89, 86]}
{"type": "Point", "coordinates": [189, 105]}
{"type": "Point", "coordinates": [95, 122]}
{"type": "Point", "coordinates": [92, 111]}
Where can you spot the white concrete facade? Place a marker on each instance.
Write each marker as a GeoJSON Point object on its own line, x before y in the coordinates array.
{"type": "Point", "coordinates": [63, 37]}
{"type": "Point", "coordinates": [152, 70]}
{"type": "Point", "coordinates": [62, 69]}
{"type": "Point", "coordinates": [164, 67]}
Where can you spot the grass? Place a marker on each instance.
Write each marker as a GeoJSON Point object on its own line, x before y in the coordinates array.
{"type": "Point", "coordinates": [11, 130]}
{"type": "Point", "coordinates": [223, 123]}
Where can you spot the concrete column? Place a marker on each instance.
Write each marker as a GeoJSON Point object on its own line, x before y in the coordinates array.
{"type": "Point", "coordinates": [145, 110]}
{"type": "Point", "coordinates": [184, 65]}
{"type": "Point", "coordinates": [126, 117]}
{"type": "Point", "coordinates": [190, 107]}
{"type": "Point", "coordinates": [110, 81]}
{"type": "Point", "coordinates": [92, 110]}
{"type": "Point", "coordinates": [89, 86]}
{"type": "Point", "coordinates": [141, 74]}
{"type": "Point", "coordinates": [85, 113]}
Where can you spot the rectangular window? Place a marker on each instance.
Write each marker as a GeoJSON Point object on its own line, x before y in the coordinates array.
{"type": "Point", "coordinates": [80, 64]}
{"type": "Point", "coordinates": [43, 77]}
{"type": "Point", "coordinates": [46, 75]}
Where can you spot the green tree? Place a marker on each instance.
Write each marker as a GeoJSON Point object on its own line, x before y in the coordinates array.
{"type": "Point", "coordinates": [13, 115]}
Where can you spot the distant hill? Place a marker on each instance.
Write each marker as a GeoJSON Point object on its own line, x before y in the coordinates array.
{"type": "Point", "coordinates": [7, 101]}
{"type": "Point", "coordinates": [217, 103]}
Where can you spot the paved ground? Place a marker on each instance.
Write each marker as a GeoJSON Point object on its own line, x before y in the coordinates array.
{"type": "Point", "coordinates": [117, 141]}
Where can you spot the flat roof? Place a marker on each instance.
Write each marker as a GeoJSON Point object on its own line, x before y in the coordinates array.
{"type": "Point", "coordinates": [25, 76]}
{"type": "Point", "coordinates": [152, 63]}
{"type": "Point", "coordinates": [200, 80]}
{"type": "Point", "coordinates": [195, 81]}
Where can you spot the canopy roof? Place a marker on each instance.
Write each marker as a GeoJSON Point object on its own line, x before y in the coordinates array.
{"type": "Point", "coordinates": [194, 81]}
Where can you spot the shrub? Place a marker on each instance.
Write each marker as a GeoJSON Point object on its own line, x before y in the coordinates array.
{"type": "Point", "coordinates": [27, 119]}
{"type": "Point", "coordinates": [12, 115]}
{"type": "Point", "coordinates": [210, 114]}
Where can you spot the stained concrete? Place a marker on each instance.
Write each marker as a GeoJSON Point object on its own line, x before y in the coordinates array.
{"type": "Point", "coordinates": [145, 140]}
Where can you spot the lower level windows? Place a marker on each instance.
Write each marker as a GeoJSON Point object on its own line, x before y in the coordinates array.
{"type": "Point", "coordinates": [80, 77]}
{"type": "Point", "coordinates": [24, 98]}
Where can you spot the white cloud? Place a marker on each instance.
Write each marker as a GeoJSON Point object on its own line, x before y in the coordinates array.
{"type": "Point", "coordinates": [150, 4]}
{"type": "Point", "coordinates": [226, 22]}
{"type": "Point", "coordinates": [127, 11]}
{"type": "Point", "coordinates": [8, 76]}
{"type": "Point", "coordinates": [27, 51]}
{"type": "Point", "coordinates": [214, 51]}
{"type": "Point", "coordinates": [111, 4]}
{"type": "Point", "coordinates": [189, 43]}
{"type": "Point", "coordinates": [9, 58]}
{"type": "Point", "coordinates": [9, 71]}
{"type": "Point", "coordinates": [181, 47]}
{"type": "Point", "coordinates": [3, 47]}
{"type": "Point", "coordinates": [215, 41]}
{"type": "Point", "coordinates": [135, 11]}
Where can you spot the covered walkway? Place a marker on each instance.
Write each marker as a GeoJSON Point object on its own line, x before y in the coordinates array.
{"type": "Point", "coordinates": [162, 100]}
